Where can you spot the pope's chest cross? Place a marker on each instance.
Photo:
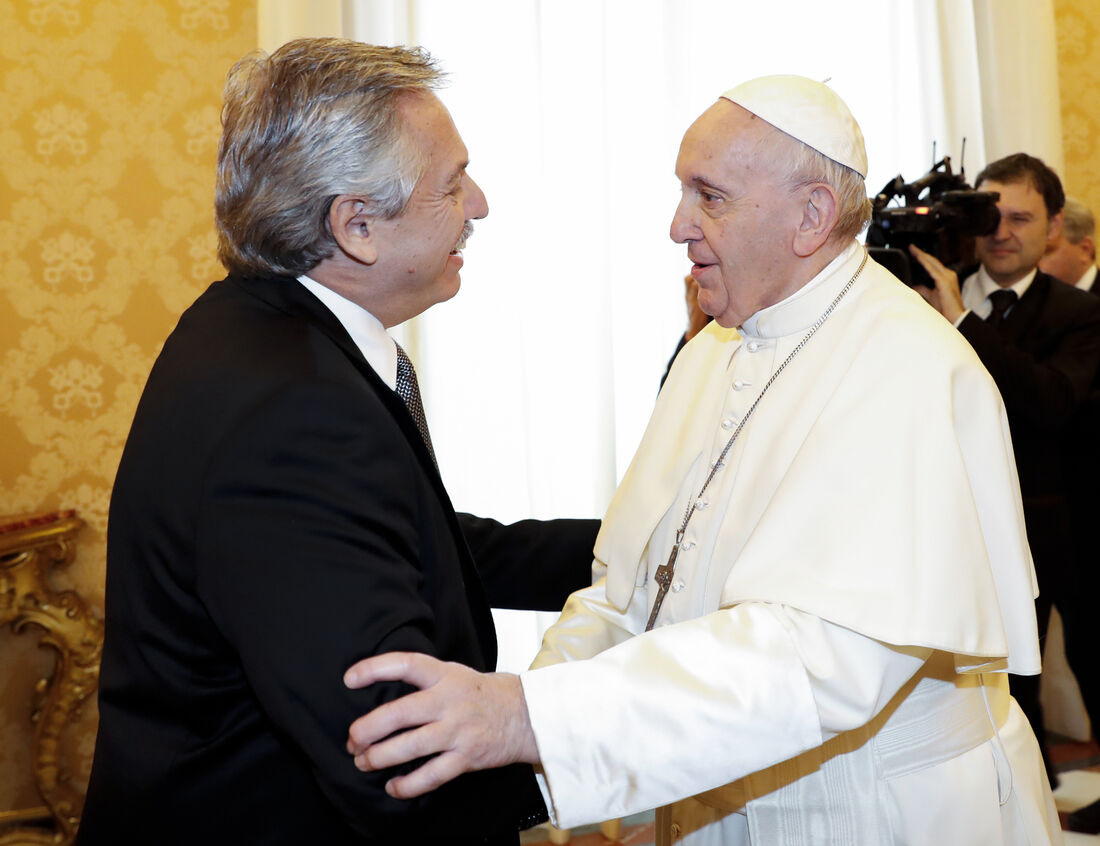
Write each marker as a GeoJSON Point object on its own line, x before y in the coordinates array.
{"type": "Point", "coordinates": [663, 578]}
{"type": "Point", "coordinates": [663, 575]}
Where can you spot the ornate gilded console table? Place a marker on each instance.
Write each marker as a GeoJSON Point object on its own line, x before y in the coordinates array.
{"type": "Point", "coordinates": [30, 547]}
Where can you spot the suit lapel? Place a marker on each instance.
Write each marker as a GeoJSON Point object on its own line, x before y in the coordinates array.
{"type": "Point", "coordinates": [288, 295]}
{"type": "Point", "coordinates": [1023, 315]}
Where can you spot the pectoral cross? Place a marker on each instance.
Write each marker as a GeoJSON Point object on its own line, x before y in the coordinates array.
{"type": "Point", "coordinates": [663, 578]}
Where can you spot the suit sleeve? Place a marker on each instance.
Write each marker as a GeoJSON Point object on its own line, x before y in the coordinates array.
{"type": "Point", "coordinates": [1043, 389]}
{"type": "Point", "coordinates": [532, 564]}
{"type": "Point", "coordinates": [309, 560]}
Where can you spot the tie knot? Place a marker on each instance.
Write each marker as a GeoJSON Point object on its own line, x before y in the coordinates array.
{"type": "Point", "coordinates": [1002, 300]}
{"type": "Point", "coordinates": [405, 371]}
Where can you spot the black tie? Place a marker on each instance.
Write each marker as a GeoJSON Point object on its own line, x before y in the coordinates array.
{"type": "Point", "coordinates": [409, 391]}
{"type": "Point", "coordinates": [1001, 301]}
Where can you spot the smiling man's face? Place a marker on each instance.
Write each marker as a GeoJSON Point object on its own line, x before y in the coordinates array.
{"type": "Point", "coordinates": [1014, 249]}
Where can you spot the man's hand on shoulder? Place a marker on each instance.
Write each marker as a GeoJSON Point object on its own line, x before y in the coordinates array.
{"type": "Point", "coordinates": [947, 297]}
{"type": "Point", "coordinates": [467, 720]}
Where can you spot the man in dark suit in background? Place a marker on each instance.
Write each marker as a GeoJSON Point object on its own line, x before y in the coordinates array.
{"type": "Point", "coordinates": [1040, 340]}
{"type": "Point", "coordinates": [278, 513]}
{"type": "Point", "coordinates": [1071, 257]}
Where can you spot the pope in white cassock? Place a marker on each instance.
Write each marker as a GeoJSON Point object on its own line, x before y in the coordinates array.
{"type": "Point", "coordinates": [822, 529]}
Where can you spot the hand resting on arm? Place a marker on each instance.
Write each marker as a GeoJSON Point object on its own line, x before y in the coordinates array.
{"type": "Point", "coordinates": [467, 720]}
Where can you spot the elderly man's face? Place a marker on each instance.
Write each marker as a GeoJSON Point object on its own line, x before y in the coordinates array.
{"type": "Point", "coordinates": [1067, 261]}
{"type": "Point", "coordinates": [736, 214]}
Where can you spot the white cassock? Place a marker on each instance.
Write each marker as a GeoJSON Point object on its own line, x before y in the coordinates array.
{"type": "Point", "coordinates": [828, 667]}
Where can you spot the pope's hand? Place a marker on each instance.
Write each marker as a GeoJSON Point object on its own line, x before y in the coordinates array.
{"type": "Point", "coordinates": [467, 720]}
{"type": "Point", "coordinates": [946, 297]}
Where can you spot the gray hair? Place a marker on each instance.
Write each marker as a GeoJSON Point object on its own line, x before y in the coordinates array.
{"type": "Point", "coordinates": [315, 119]}
{"type": "Point", "coordinates": [799, 164]}
{"type": "Point", "coordinates": [1077, 221]}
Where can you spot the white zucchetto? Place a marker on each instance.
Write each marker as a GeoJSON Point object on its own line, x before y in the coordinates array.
{"type": "Point", "coordinates": [807, 110]}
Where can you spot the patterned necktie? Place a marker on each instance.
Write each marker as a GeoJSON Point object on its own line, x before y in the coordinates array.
{"type": "Point", "coordinates": [409, 391]}
{"type": "Point", "coordinates": [1002, 301]}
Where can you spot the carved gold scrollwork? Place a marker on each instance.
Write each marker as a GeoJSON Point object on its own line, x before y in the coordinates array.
{"type": "Point", "coordinates": [29, 550]}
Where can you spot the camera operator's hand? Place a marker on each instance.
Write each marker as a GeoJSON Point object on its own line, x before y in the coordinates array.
{"type": "Point", "coordinates": [946, 298]}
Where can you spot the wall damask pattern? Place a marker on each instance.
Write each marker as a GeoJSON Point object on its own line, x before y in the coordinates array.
{"type": "Point", "coordinates": [107, 153]}
{"type": "Point", "coordinates": [1078, 29]}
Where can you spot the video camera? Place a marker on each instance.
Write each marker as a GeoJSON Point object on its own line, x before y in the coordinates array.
{"type": "Point", "coordinates": [942, 215]}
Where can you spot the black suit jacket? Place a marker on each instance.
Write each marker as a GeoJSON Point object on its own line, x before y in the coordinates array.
{"type": "Point", "coordinates": [1044, 358]}
{"type": "Point", "coordinates": [276, 517]}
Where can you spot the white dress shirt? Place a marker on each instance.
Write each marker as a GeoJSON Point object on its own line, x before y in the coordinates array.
{"type": "Point", "coordinates": [1087, 278]}
{"type": "Point", "coordinates": [978, 286]}
{"type": "Point", "coordinates": [366, 330]}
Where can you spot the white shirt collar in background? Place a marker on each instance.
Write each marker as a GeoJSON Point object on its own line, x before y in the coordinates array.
{"type": "Point", "coordinates": [1086, 280]}
{"type": "Point", "coordinates": [978, 286]}
{"type": "Point", "coordinates": [366, 330]}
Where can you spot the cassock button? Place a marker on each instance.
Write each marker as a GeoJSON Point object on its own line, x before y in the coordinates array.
{"type": "Point", "coordinates": [687, 546]}
{"type": "Point", "coordinates": [752, 346]}
{"type": "Point", "coordinates": [727, 424]}
{"type": "Point", "coordinates": [674, 830]}
{"type": "Point", "coordinates": [740, 385]}
{"type": "Point", "coordinates": [678, 586]}
{"type": "Point", "coordinates": [718, 465]}
{"type": "Point", "coordinates": [701, 504]}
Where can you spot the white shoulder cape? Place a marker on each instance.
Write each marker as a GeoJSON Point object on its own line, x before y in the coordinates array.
{"type": "Point", "coordinates": [877, 487]}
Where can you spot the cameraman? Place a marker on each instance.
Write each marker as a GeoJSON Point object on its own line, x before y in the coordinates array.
{"type": "Point", "coordinates": [1040, 340]}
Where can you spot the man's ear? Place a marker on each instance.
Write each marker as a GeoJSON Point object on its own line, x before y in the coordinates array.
{"type": "Point", "coordinates": [820, 208]}
{"type": "Point", "coordinates": [353, 228]}
{"type": "Point", "coordinates": [1054, 226]}
{"type": "Point", "coordinates": [1090, 247]}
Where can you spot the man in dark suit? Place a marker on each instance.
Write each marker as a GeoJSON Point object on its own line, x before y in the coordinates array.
{"type": "Point", "coordinates": [278, 513]}
{"type": "Point", "coordinates": [1040, 340]}
{"type": "Point", "coordinates": [1071, 257]}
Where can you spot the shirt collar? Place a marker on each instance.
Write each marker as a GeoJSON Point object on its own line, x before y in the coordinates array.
{"type": "Point", "coordinates": [802, 308]}
{"type": "Point", "coordinates": [987, 286]}
{"type": "Point", "coordinates": [366, 330]}
{"type": "Point", "coordinates": [1087, 278]}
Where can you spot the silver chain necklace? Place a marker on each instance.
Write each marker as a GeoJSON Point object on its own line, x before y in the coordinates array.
{"type": "Point", "coordinates": [663, 576]}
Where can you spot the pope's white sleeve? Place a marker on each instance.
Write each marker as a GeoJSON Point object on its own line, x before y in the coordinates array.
{"type": "Point", "coordinates": [696, 705]}
{"type": "Point", "coordinates": [589, 624]}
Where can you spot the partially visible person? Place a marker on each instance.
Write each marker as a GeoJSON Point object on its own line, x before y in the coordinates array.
{"type": "Point", "coordinates": [817, 570]}
{"type": "Point", "coordinates": [697, 320]}
{"type": "Point", "coordinates": [1040, 340]}
{"type": "Point", "coordinates": [278, 512]}
{"type": "Point", "coordinates": [1071, 256]}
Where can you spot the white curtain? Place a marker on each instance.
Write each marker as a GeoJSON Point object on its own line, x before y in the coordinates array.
{"type": "Point", "coordinates": [540, 375]}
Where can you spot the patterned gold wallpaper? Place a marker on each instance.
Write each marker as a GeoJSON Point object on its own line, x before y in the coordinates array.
{"type": "Point", "coordinates": [1078, 29]}
{"type": "Point", "coordinates": [107, 151]}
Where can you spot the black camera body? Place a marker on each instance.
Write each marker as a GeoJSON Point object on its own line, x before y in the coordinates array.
{"type": "Point", "coordinates": [941, 215]}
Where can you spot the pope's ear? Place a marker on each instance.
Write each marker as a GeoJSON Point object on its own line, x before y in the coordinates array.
{"type": "Point", "coordinates": [820, 209]}
{"type": "Point", "coordinates": [353, 228]}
